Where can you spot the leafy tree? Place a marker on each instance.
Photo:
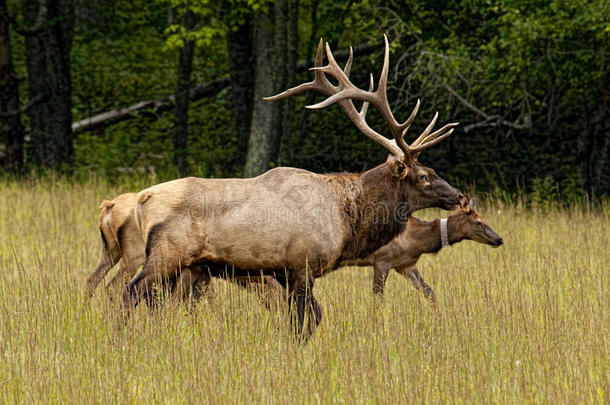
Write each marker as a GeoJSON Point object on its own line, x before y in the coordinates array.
{"type": "Point", "coordinates": [10, 111]}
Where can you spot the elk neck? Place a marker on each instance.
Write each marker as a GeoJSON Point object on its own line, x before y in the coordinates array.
{"type": "Point", "coordinates": [374, 203]}
{"type": "Point", "coordinates": [453, 230]}
{"type": "Point", "coordinates": [428, 234]}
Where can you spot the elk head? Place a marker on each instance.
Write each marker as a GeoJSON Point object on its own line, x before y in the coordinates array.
{"type": "Point", "coordinates": [420, 186]}
{"type": "Point", "coordinates": [466, 223]}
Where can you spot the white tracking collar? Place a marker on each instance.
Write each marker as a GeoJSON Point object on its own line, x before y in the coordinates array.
{"type": "Point", "coordinates": [444, 233]}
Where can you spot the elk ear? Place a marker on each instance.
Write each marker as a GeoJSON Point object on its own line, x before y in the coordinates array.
{"type": "Point", "coordinates": [472, 204]}
{"type": "Point", "coordinates": [398, 167]}
{"type": "Point", "coordinates": [464, 204]}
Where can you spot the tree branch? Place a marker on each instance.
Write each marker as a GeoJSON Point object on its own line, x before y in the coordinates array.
{"type": "Point", "coordinates": [195, 94]}
{"type": "Point", "coordinates": [490, 120]}
{"type": "Point", "coordinates": [159, 105]}
{"type": "Point", "coordinates": [21, 110]}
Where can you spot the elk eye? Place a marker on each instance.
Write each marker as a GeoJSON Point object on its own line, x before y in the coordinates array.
{"type": "Point", "coordinates": [423, 178]}
{"type": "Point", "coordinates": [479, 223]}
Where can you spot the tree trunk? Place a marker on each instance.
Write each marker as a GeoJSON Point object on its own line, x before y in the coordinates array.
{"type": "Point", "coordinates": [271, 53]}
{"type": "Point", "coordinates": [185, 67]}
{"type": "Point", "coordinates": [289, 136]}
{"type": "Point", "coordinates": [260, 145]}
{"type": "Point", "coordinates": [280, 62]}
{"type": "Point", "coordinates": [241, 70]}
{"type": "Point", "coordinates": [48, 43]}
{"type": "Point", "coordinates": [310, 96]}
{"type": "Point", "coordinates": [10, 121]}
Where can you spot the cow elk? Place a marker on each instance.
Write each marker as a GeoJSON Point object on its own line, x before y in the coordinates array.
{"type": "Point", "coordinates": [121, 241]}
{"type": "Point", "coordinates": [290, 221]}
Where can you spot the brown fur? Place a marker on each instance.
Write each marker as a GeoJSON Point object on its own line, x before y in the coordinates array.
{"type": "Point", "coordinates": [121, 239]}
{"type": "Point", "coordinates": [284, 220]}
{"type": "Point", "coordinates": [420, 237]}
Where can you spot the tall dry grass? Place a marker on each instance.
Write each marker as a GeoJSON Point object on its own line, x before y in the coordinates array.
{"type": "Point", "coordinates": [528, 322]}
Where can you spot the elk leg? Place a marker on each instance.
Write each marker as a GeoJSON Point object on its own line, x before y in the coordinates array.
{"type": "Point", "coordinates": [315, 314]}
{"type": "Point", "coordinates": [183, 286]}
{"type": "Point", "coordinates": [301, 293]}
{"type": "Point", "coordinates": [269, 291]}
{"type": "Point", "coordinates": [202, 286]}
{"type": "Point", "coordinates": [381, 269]}
{"type": "Point", "coordinates": [121, 278]}
{"type": "Point", "coordinates": [412, 274]}
{"type": "Point", "coordinates": [142, 284]}
{"type": "Point", "coordinates": [107, 261]}
{"type": "Point", "coordinates": [190, 285]}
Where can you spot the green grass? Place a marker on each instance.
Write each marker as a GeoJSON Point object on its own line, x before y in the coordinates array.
{"type": "Point", "coordinates": [527, 322]}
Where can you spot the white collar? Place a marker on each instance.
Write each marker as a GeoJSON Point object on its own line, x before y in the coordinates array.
{"type": "Point", "coordinates": [444, 233]}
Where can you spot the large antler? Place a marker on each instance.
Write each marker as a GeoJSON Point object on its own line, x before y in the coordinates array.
{"type": "Point", "coordinates": [345, 92]}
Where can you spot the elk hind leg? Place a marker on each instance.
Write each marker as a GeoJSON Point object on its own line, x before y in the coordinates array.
{"type": "Point", "coordinates": [153, 272]}
{"type": "Point", "coordinates": [125, 273]}
{"type": "Point", "coordinates": [191, 285]}
{"type": "Point", "coordinates": [108, 258]}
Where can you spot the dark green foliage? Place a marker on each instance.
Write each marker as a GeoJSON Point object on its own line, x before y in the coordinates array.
{"type": "Point", "coordinates": [527, 79]}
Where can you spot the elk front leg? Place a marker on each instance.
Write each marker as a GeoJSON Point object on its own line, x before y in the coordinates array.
{"type": "Point", "coordinates": [412, 274]}
{"type": "Point", "coordinates": [301, 293]}
{"type": "Point", "coordinates": [381, 268]}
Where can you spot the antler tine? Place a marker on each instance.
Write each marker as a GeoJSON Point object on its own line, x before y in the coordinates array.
{"type": "Point", "coordinates": [433, 135]}
{"type": "Point", "coordinates": [427, 131]}
{"type": "Point", "coordinates": [418, 149]}
{"type": "Point", "coordinates": [409, 120]}
{"type": "Point", "coordinates": [382, 93]}
{"type": "Point", "coordinates": [319, 76]}
{"type": "Point", "coordinates": [383, 79]}
{"type": "Point", "coordinates": [319, 83]}
{"type": "Point", "coordinates": [348, 65]}
{"type": "Point", "coordinates": [365, 105]}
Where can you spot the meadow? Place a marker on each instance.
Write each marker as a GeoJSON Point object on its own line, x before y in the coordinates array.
{"type": "Point", "coordinates": [525, 323]}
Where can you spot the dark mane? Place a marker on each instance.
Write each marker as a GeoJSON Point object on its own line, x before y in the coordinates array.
{"type": "Point", "coordinates": [373, 212]}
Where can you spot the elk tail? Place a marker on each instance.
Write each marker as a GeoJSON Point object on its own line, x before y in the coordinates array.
{"type": "Point", "coordinates": [142, 198]}
{"type": "Point", "coordinates": [106, 228]}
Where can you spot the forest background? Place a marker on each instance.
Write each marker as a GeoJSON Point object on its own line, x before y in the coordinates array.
{"type": "Point", "coordinates": [169, 88]}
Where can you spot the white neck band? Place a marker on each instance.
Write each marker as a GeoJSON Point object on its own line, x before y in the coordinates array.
{"type": "Point", "coordinates": [444, 233]}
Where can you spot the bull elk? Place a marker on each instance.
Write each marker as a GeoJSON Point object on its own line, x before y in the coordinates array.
{"type": "Point", "coordinates": [421, 237]}
{"type": "Point", "coordinates": [290, 221]}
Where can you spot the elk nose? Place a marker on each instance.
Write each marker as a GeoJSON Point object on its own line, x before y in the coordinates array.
{"type": "Point", "coordinates": [500, 242]}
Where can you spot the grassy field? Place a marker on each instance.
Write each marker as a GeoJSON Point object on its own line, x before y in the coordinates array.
{"type": "Point", "coordinates": [528, 322]}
